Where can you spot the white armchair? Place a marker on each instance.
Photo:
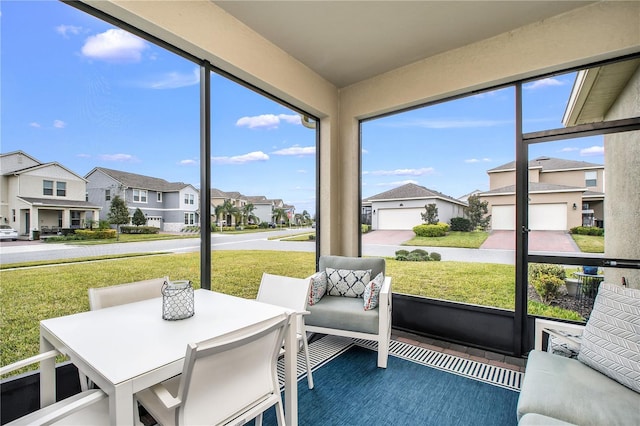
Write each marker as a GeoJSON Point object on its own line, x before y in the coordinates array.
{"type": "Point", "coordinates": [345, 316]}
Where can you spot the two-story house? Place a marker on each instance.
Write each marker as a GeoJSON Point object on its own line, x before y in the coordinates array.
{"type": "Point", "coordinates": [42, 196]}
{"type": "Point", "coordinates": [263, 207]}
{"type": "Point", "coordinates": [562, 194]}
{"type": "Point", "coordinates": [169, 206]}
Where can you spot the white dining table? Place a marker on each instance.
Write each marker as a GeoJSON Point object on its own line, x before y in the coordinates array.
{"type": "Point", "coordinates": [127, 348]}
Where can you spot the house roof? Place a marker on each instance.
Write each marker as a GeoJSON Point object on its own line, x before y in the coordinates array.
{"type": "Point", "coordinates": [57, 202]}
{"type": "Point", "coordinates": [535, 187]}
{"type": "Point", "coordinates": [42, 166]}
{"type": "Point", "coordinates": [411, 191]}
{"type": "Point", "coordinates": [547, 164]}
{"type": "Point", "coordinates": [133, 180]}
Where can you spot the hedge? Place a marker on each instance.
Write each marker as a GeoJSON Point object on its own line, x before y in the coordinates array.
{"type": "Point", "coordinates": [101, 234]}
{"type": "Point", "coordinates": [587, 230]}
{"type": "Point", "coordinates": [439, 230]}
{"type": "Point", "coordinates": [139, 230]}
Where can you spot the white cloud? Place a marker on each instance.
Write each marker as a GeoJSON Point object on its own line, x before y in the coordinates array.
{"type": "Point", "coordinates": [267, 121]}
{"type": "Point", "coordinates": [35, 124]}
{"type": "Point", "coordinates": [398, 183]}
{"type": "Point", "coordinates": [83, 155]}
{"type": "Point", "coordinates": [241, 159]}
{"type": "Point", "coordinates": [65, 30]}
{"type": "Point", "coordinates": [123, 158]}
{"type": "Point", "coordinates": [591, 151]}
{"type": "Point", "coordinates": [187, 162]}
{"type": "Point", "coordinates": [59, 124]}
{"type": "Point", "coordinates": [302, 171]}
{"type": "Point", "coordinates": [569, 149]}
{"type": "Point", "coordinates": [173, 80]}
{"type": "Point", "coordinates": [403, 172]}
{"type": "Point", "coordinates": [477, 160]}
{"type": "Point", "coordinates": [545, 82]}
{"type": "Point", "coordinates": [114, 45]}
{"type": "Point", "coordinates": [296, 150]}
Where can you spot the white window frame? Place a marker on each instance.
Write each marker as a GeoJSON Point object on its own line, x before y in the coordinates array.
{"type": "Point", "coordinates": [159, 197]}
{"type": "Point", "coordinates": [189, 218]}
{"type": "Point", "coordinates": [61, 189]}
{"type": "Point", "coordinates": [590, 176]}
{"type": "Point", "coordinates": [46, 188]}
{"type": "Point", "coordinates": [107, 195]}
{"type": "Point", "coordinates": [140, 196]}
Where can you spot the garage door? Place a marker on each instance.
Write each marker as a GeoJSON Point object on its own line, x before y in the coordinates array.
{"type": "Point", "coordinates": [395, 219]}
{"type": "Point", "coordinates": [542, 217]}
{"type": "Point", "coordinates": [548, 217]}
{"type": "Point", "coordinates": [503, 218]}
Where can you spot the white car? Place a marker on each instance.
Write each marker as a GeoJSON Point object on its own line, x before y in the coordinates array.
{"type": "Point", "coordinates": [8, 233]}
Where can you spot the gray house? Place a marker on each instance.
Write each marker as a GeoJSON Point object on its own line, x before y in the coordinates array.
{"type": "Point", "coordinates": [169, 206]}
{"type": "Point", "coordinates": [400, 208]}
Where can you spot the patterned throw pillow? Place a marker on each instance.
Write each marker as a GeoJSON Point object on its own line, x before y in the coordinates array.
{"type": "Point", "coordinates": [611, 339]}
{"type": "Point", "coordinates": [347, 282]}
{"type": "Point", "coordinates": [372, 292]}
{"type": "Point", "coordinates": [318, 287]}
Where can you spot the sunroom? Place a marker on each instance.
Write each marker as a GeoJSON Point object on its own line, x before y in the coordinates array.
{"type": "Point", "coordinates": [350, 68]}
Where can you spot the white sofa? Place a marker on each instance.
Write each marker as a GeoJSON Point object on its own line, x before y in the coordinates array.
{"type": "Point", "coordinates": [345, 316]}
{"type": "Point", "coordinates": [558, 390]}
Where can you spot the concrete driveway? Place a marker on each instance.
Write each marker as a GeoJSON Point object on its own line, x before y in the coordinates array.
{"type": "Point", "coordinates": [555, 241]}
{"type": "Point", "coordinates": [392, 238]}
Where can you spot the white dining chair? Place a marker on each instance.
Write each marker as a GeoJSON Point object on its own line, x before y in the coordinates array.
{"type": "Point", "coordinates": [292, 293]}
{"type": "Point", "coordinates": [229, 379]}
{"type": "Point", "coordinates": [104, 297]}
{"type": "Point", "coordinates": [89, 407]}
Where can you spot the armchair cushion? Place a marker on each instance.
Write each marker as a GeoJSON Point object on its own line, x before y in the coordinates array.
{"type": "Point", "coordinates": [372, 292]}
{"type": "Point", "coordinates": [343, 313]}
{"type": "Point", "coordinates": [347, 282]}
{"type": "Point", "coordinates": [318, 287]}
{"type": "Point", "coordinates": [611, 339]}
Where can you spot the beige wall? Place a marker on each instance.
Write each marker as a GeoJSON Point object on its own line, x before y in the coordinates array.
{"type": "Point", "coordinates": [573, 178]}
{"type": "Point", "coordinates": [502, 179]}
{"type": "Point", "coordinates": [596, 32]}
{"type": "Point", "coordinates": [622, 204]}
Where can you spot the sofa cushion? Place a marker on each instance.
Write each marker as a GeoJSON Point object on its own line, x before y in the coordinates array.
{"type": "Point", "coordinates": [611, 339]}
{"type": "Point", "coordinates": [347, 282]}
{"type": "Point", "coordinates": [568, 390]}
{"type": "Point", "coordinates": [371, 294]}
{"type": "Point", "coordinates": [344, 313]}
{"type": "Point", "coordinates": [376, 264]}
{"type": "Point", "coordinates": [318, 287]}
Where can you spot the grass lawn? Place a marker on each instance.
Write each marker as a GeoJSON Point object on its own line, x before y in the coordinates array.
{"type": "Point", "coordinates": [452, 239]}
{"type": "Point", "coordinates": [589, 243]}
{"type": "Point", "coordinates": [29, 295]}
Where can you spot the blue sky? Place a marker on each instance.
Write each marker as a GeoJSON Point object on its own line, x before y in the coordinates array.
{"type": "Point", "coordinates": [83, 93]}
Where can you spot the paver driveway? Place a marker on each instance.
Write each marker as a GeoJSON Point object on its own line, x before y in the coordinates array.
{"type": "Point", "coordinates": [556, 241]}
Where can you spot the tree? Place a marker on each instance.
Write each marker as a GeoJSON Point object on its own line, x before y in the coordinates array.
{"type": "Point", "coordinates": [225, 209]}
{"type": "Point", "coordinates": [247, 213]}
{"type": "Point", "coordinates": [118, 214]}
{"type": "Point", "coordinates": [139, 218]}
{"type": "Point", "coordinates": [477, 213]}
{"type": "Point", "coordinates": [306, 217]}
{"type": "Point", "coordinates": [430, 216]}
{"type": "Point", "coordinates": [278, 214]}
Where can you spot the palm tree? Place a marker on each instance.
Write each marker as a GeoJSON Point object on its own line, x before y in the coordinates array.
{"type": "Point", "coordinates": [247, 213]}
{"type": "Point", "coordinates": [278, 214]}
{"type": "Point", "coordinates": [224, 210]}
{"type": "Point", "coordinates": [306, 217]}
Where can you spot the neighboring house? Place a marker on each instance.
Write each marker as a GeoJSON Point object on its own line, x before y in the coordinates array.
{"type": "Point", "coordinates": [169, 206]}
{"type": "Point", "coordinates": [465, 198]}
{"type": "Point", "coordinates": [401, 208]}
{"type": "Point", "coordinates": [218, 198]}
{"type": "Point", "coordinates": [42, 196]}
{"type": "Point", "coordinates": [562, 194]}
{"type": "Point", "coordinates": [263, 207]}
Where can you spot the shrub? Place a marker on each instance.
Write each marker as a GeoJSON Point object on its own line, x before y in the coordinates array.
{"type": "Point", "coordinates": [139, 230]}
{"type": "Point", "coordinates": [420, 252]}
{"type": "Point", "coordinates": [101, 234]}
{"type": "Point", "coordinates": [402, 252]}
{"type": "Point", "coordinates": [547, 286]}
{"type": "Point", "coordinates": [402, 257]}
{"type": "Point", "coordinates": [416, 257]}
{"type": "Point", "coordinates": [461, 224]}
{"type": "Point", "coordinates": [312, 237]}
{"type": "Point", "coordinates": [538, 269]}
{"type": "Point", "coordinates": [435, 256]}
{"type": "Point", "coordinates": [251, 227]}
{"type": "Point", "coordinates": [439, 230]}
{"type": "Point", "coordinates": [587, 230]}
{"type": "Point", "coordinates": [365, 228]}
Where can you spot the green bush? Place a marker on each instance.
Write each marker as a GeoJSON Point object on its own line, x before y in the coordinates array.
{"type": "Point", "coordinates": [435, 256]}
{"type": "Point", "coordinates": [101, 234]}
{"type": "Point", "coordinates": [420, 252]}
{"type": "Point", "coordinates": [139, 230]}
{"type": "Point", "coordinates": [547, 286]}
{"type": "Point", "coordinates": [365, 228]}
{"type": "Point", "coordinates": [402, 252]}
{"type": "Point", "coordinates": [538, 269]}
{"type": "Point", "coordinates": [251, 227]}
{"type": "Point", "coordinates": [312, 237]}
{"type": "Point", "coordinates": [439, 230]}
{"type": "Point", "coordinates": [402, 257]}
{"type": "Point", "coordinates": [461, 224]}
{"type": "Point", "coordinates": [587, 230]}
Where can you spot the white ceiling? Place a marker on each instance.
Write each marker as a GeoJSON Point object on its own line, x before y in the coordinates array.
{"type": "Point", "coordinates": [349, 41]}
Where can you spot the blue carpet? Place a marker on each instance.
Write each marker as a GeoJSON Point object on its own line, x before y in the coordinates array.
{"type": "Point", "coordinates": [351, 390]}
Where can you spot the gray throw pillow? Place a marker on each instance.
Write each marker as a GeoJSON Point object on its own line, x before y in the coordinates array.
{"type": "Point", "coordinates": [347, 282]}
{"type": "Point", "coordinates": [611, 339]}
